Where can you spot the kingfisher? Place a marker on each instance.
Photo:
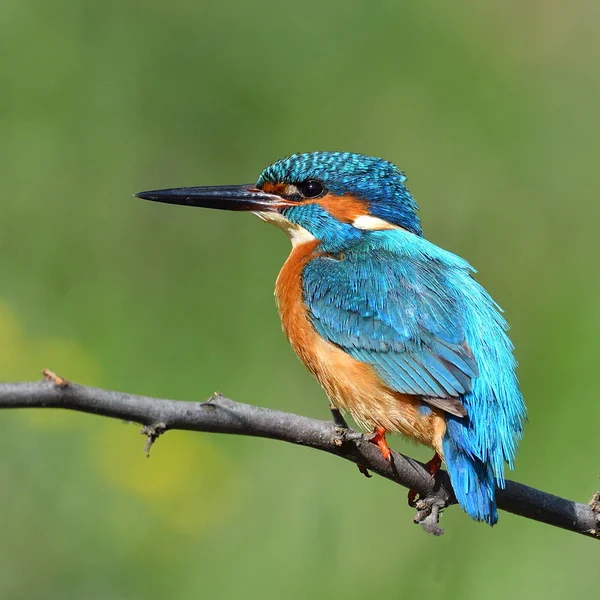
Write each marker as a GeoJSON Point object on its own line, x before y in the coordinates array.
{"type": "Point", "coordinates": [395, 329]}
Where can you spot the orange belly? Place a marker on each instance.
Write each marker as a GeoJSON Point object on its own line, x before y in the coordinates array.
{"type": "Point", "coordinates": [351, 385]}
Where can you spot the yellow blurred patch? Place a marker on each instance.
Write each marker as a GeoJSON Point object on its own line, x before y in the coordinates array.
{"type": "Point", "coordinates": [186, 481]}
{"type": "Point", "coordinates": [23, 359]}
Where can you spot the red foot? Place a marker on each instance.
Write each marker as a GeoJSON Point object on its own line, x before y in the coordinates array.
{"type": "Point", "coordinates": [433, 466]}
{"type": "Point", "coordinates": [378, 438]}
{"type": "Point", "coordinates": [412, 497]}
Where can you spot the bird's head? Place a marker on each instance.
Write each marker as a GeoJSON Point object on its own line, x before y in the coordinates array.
{"type": "Point", "coordinates": [334, 197]}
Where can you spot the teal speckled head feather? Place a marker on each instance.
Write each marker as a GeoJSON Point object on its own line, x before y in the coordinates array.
{"type": "Point", "coordinates": [375, 180]}
{"type": "Point", "coordinates": [395, 329]}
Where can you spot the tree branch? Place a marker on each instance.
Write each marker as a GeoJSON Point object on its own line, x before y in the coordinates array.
{"type": "Point", "coordinates": [222, 415]}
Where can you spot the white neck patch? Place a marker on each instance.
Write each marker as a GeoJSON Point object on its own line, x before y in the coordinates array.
{"type": "Point", "coordinates": [370, 223]}
{"type": "Point", "coordinates": [298, 235]}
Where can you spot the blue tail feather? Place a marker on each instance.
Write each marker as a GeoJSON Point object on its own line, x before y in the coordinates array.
{"type": "Point", "coordinates": [477, 447]}
{"type": "Point", "coordinates": [473, 480]}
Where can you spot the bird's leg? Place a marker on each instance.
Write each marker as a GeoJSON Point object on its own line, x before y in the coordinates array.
{"type": "Point", "coordinates": [433, 466]}
{"type": "Point", "coordinates": [378, 438]}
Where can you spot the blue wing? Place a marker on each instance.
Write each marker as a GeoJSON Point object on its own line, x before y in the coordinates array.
{"type": "Point", "coordinates": [413, 311]}
{"type": "Point", "coordinates": [397, 311]}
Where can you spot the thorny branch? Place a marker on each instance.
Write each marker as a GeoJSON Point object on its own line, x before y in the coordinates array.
{"type": "Point", "coordinates": [222, 415]}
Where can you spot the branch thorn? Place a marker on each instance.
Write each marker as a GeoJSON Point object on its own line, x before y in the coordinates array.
{"type": "Point", "coordinates": [428, 514]}
{"type": "Point", "coordinates": [338, 417]}
{"type": "Point", "coordinates": [152, 433]}
{"type": "Point", "coordinates": [214, 398]}
{"type": "Point", "coordinates": [52, 377]}
{"type": "Point", "coordinates": [594, 504]}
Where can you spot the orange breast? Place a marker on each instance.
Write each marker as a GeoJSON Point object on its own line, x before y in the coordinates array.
{"type": "Point", "coordinates": [351, 385]}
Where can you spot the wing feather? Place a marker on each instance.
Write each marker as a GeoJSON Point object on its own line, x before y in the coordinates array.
{"type": "Point", "coordinates": [398, 313]}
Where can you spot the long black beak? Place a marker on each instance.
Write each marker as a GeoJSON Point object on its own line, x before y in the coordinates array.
{"type": "Point", "coordinates": [226, 197]}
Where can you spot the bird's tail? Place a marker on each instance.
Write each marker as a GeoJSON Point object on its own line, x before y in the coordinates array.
{"type": "Point", "coordinates": [473, 480]}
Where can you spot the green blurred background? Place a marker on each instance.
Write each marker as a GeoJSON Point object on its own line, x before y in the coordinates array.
{"type": "Point", "coordinates": [491, 109]}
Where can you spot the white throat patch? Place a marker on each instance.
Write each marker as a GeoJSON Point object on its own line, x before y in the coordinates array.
{"type": "Point", "coordinates": [298, 235]}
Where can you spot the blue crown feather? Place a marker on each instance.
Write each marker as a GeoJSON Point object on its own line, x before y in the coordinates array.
{"type": "Point", "coordinates": [375, 180]}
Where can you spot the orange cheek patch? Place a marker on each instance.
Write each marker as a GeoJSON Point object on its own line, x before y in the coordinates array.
{"type": "Point", "coordinates": [343, 208]}
{"type": "Point", "coordinates": [275, 188]}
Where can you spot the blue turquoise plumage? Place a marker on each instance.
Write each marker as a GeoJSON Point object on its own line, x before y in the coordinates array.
{"type": "Point", "coordinates": [396, 329]}
{"type": "Point", "coordinates": [414, 312]}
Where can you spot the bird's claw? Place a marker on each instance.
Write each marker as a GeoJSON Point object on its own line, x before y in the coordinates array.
{"type": "Point", "coordinates": [378, 438]}
{"type": "Point", "coordinates": [364, 471]}
{"type": "Point", "coordinates": [433, 466]}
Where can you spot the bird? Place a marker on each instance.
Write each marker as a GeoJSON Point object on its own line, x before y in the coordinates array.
{"type": "Point", "coordinates": [396, 330]}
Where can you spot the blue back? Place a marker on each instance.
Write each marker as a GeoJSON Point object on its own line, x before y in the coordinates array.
{"type": "Point", "coordinates": [413, 312]}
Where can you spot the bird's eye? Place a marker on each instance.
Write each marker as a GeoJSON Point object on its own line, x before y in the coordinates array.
{"type": "Point", "coordinates": [311, 188]}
